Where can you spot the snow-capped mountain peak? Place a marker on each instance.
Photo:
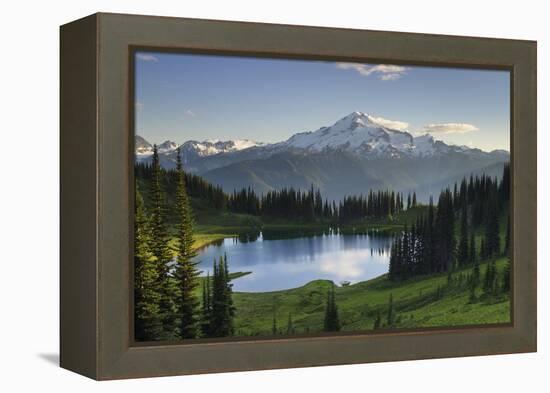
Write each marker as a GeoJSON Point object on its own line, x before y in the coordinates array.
{"type": "Point", "coordinates": [142, 147]}
{"type": "Point", "coordinates": [351, 121]}
{"type": "Point", "coordinates": [214, 146]}
{"type": "Point", "coordinates": [358, 133]}
{"type": "Point", "coordinates": [210, 147]}
{"type": "Point", "coordinates": [361, 120]}
{"type": "Point", "coordinates": [372, 137]}
{"type": "Point", "coordinates": [423, 144]}
{"type": "Point", "coordinates": [167, 146]}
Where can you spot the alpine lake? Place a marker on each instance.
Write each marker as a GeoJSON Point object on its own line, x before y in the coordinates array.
{"type": "Point", "coordinates": [277, 260]}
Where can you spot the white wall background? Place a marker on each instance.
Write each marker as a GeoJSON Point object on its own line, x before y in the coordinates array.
{"type": "Point", "coordinates": [29, 195]}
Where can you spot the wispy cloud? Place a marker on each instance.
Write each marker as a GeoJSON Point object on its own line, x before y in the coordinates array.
{"type": "Point", "coordinates": [139, 105]}
{"type": "Point", "coordinates": [393, 124]}
{"type": "Point", "coordinates": [189, 112]}
{"type": "Point", "coordinates": [385, 72]}
{"type": "Point", "coordinates": [449, 128]}
{"type": "Point", "coordinates": [146, 57]}
{"type": "Point", "coordinates": [389, 77]}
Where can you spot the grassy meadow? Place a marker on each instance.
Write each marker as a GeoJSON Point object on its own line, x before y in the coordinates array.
{"type": "Point", "coordinates": [428, 301]}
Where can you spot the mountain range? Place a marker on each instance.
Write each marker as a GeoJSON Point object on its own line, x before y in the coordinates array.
{"type": "Point", "coordinates": [357, 153]}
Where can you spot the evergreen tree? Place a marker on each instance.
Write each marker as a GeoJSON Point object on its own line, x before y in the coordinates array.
{"type": "Point", "coordinates": [186, 271]}
{"type": "Point", "coordinates": [206, 312]}
{"type": "Point", "coordinates": [507, 239]}
{"type": "Point", "coordinates": [428, 259]}
{"type": "Point", "coordinates": [396, 266]}
{"type": "Point", "coordinates": [419, 245]}
{"type": "Point", "coordinates": [223, 310]}
{"type": "Point", "coordinates": [455, 194]}
{"type": "Point", "coordinates": [444, 229]}
{"type": "Point", "coordinates": [405, 254]}
{"type": "Point", "coordinates": [504, 188]}
{"type": "Point", "coordinates": [147, 318]}
{"type": "Point", "coordinates": [161, 251]}
{"type": "Point", "coordinates": [472, 249]}
{"type": "Point", "coordinates": [463, 252]}
{"type": "Point", "coordinates": [332, 320]}
{"type": "Point", "coordinates": [492, 228]}
{"type": "Point", "coordinates": [415, 248]}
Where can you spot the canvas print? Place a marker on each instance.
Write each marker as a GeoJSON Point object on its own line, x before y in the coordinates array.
{"type": "Point", "coordinates": [294, 198]}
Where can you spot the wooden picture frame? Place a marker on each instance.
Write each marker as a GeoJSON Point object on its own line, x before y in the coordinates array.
{"type": "Point", "coordinates": [97, 195]}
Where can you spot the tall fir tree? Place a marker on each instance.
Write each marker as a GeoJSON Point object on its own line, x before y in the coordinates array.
{"type": "Point", "coordinates": [405, 254]}
{"type": "Point", "coordinates": [206, 308]}
{"type": "Point", "coordinates": [161, 250]}
{"type": "Point", "coordinates": [492, 227]}
{"type": "Point", "coordinates": [147, 318]}
{"type": "Point", "coordinates": [444, 231]}
{"type": "Point", "coordinates": [395, 265]}
{"type": "Point", "coordinates": [474, 260]}
{"type": "Point", "coordinates": [332, 319]}
{"type": "Point", "coordinates": [428, 259]}
{"type": "Point", "coordinates": [504, 187]}
{"type": "Point", "coordinates": [472, 249]}
{"type": "Point", "coordinates": [186, 271]}
{"type": "Point", "coordinates": [223, 311]}
{"type": "Point", "coordinates": [508, 237]}
{"type": "Point", "coordinates": [463, 254]}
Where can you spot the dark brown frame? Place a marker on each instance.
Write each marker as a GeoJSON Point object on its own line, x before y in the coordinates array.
{"type": "Point", "coordinates": [97, 194]}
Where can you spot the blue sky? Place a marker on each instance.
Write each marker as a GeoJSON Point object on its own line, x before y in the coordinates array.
{"type": "Point", "coordinates": [182, 97]}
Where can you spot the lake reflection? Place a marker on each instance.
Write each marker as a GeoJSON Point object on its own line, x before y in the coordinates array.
{"type": "Point", "coordinates": [291, 262]}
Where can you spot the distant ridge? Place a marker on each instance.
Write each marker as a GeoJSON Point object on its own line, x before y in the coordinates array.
{"type": "Point", "coordinates": [354, 154]}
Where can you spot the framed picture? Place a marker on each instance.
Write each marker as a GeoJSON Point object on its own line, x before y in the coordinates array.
{"type": "Point", "coordinates": [241, 196]}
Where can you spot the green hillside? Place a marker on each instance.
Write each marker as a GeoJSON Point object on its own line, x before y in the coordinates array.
{"type": "Point", "coordinates": [420, 302]}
